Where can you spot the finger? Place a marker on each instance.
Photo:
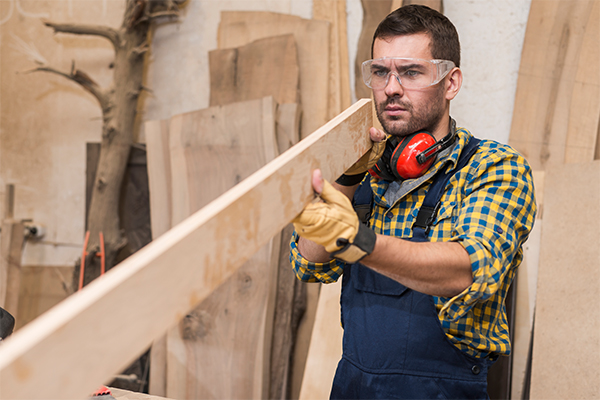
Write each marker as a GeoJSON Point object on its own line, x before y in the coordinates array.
{"type": "Point", "coordinates": [377, 135]}
{"type": "Point", "coordinates": [317, 181]}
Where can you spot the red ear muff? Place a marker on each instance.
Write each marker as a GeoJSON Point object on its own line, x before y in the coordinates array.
{"type": "Point", "coordinates": [405, 162]}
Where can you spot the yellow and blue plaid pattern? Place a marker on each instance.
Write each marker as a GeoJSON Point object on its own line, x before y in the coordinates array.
{"type": "Point", "coordinates": [488, 207]}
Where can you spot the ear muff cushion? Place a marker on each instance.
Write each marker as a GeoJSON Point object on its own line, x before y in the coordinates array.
{"type": "Point", "coordinates": [404, 164]}
{"type": "Point", "coordinates": [382, 169]}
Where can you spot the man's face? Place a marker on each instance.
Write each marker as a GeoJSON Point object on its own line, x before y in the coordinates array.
{"type": "Point", "coordinates": [400, 111]}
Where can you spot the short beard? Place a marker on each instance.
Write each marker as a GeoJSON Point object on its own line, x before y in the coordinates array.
{"type": "Point", "coordinates": [426, 119]}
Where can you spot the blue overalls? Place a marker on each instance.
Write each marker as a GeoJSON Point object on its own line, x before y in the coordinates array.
{"type": "Point", "coordinates": [394, 345]}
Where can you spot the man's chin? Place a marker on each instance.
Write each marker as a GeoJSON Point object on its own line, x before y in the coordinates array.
{"type": "Point", "coordinates": [395, 128]}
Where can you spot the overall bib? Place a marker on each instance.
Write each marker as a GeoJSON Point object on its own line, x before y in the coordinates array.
{"type": "Point", "coordinates": [394, 346]}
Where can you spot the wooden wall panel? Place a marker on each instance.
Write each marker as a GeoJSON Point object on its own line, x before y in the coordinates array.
{"type": "Point", "coordinates": [566, 347]}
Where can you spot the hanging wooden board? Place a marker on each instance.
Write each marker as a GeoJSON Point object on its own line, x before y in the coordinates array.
{"type": "Point", "coordinates": [238, 28]}
{"type": "Point", "coordinates": [334, 11]}
{"type": "Point", "coordinates": [549, 64]}
{"type": "Point", "coordinates": [264, 67]}
{"type": "Point", "coordinates": [208, 155]}
{"type": "Point", "coordinates": [566, 346]}
{"type": "Point", "coordinates": [231, 228]}
{"type": "Point", "coordinates": [584, 110]}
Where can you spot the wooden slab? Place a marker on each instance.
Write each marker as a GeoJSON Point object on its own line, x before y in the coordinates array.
{"type": "Point", "coordinates": [232, 227]}
{"type": "Point", "coordinates": [526, 294]}
{"type": "Point", "coordinates": [374, 11]}
{"type": "Point", "coordinates": [334, 11]}
{"type": "Point", "coordinates": [159, 182]}
{"type": "Point", "coordinates": [264, 67]}
{"type": "Point", "coordinates": [566, 348]}
{"type": "Point", "coordinates": [326, 345]}
{"type": "Point", "coordinates": [584, 111]}
{"type": "Point", "coordinates": [549, 63]}
{"type": "Point", "coordinates": [238, 28]}
{"type": "Point", "coordinates": [215, 152]}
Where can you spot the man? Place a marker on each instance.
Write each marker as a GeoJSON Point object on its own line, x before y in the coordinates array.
{"type": "Point", "coordinates": [424, 284]}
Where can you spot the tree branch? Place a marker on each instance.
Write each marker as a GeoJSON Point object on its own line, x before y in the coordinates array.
{"type": "Point", "coordinates": [80, 78]}
{"type": "Point", "coordinates": [95, 30]}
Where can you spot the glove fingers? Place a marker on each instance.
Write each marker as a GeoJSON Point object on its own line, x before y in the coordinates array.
{"type": "Point", "coordinates": [333, 196]}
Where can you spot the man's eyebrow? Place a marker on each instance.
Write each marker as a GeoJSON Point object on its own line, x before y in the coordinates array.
{"type": "Point", "coordinates": [410, 66]}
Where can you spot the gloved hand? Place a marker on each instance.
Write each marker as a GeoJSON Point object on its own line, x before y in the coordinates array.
{"type": "Point", "coordinates": [356, 172]}
{"type": "Point", "coordinates": [333, 224]}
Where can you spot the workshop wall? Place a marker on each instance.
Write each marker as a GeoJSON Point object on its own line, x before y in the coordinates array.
{"type": "Point", "coordinates": [45, 120]}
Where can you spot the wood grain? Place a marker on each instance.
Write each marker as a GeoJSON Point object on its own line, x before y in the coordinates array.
{"type": "Point", "coordinates": [174, 266]}
{"type": "Point", "coordinates": [212, 354]}
{"type": "Point", "coordinates": [584, 111]}
{"type": "Point", "coordinates": [549, 64]}
{"type": "Point", "coordinates": [334, 11]}
{"type": "Point", "coordinates": [264, 67]}
{"type": "Point", "coordinates": [238, 28]}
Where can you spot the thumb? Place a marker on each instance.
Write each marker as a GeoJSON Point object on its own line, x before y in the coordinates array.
{"type": "Point", "coordinates": [317, 181]}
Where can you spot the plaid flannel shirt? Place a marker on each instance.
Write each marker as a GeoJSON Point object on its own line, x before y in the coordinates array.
{"type": "Point", "coordinates": [489, 208]}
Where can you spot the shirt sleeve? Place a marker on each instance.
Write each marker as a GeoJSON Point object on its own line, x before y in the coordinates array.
{"type": "Point", "coordinates": [493, 221]}
{"type": "Point", "coordinates": [308, 271]}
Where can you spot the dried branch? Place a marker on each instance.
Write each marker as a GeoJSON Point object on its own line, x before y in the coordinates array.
{"type": "Point", "coordinates": [96, 30]}
{"type": "Point", "coordinates": [154, 16]}
{"type": "Point", "coordinates": [80, 78]}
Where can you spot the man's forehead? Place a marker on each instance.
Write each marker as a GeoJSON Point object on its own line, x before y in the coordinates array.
{"type": "Point", "coordinates": [409, 46]}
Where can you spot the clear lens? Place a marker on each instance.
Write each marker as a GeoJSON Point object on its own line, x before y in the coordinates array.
{"type": "Point", "coordinates": [412, 73]}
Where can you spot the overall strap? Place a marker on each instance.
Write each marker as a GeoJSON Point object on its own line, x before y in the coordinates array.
{"type": "Point", "coordinates": [363, 200]}
{"type": "Point", "coordinates": [431, 204]}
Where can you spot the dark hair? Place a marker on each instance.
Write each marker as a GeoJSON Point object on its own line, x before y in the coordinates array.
{"type": "Point", "coordinates": [412, 19]}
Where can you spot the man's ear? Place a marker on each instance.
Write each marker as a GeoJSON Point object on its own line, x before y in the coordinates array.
{"type": "Point", "coordinates": [453, 83]}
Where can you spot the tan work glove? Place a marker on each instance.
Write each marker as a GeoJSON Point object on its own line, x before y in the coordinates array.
{"type": "Point", "coordinates": [333, 224]}
{"type": "Point", "coordinates": [356, 172]}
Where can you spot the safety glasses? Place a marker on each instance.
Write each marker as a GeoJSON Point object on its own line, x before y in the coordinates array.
{"type": "Point", "coordinates": [411, 73]}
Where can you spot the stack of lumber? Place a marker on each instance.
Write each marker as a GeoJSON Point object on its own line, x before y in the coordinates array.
{"type": "Point", "coordinates": [556, 126]}
{"type": "Point", "coordinates": [274, 79]}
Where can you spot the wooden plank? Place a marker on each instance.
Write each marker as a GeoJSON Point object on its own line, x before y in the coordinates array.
{"type": "Point", "coordinates": [334, 11]}
{"type": "Point", "coordinates": [11, 248]}
{"type": "Point", "coordinates": [566, 347]}
{"type": "Point", "coordinates": [215, 156]}
{"type": "Point", "coordinates": [584, 111]}
{"type": "Point", "coordinates": [238, 28]}
{"type": "Point", "coordinates": [326, 345]}
{"type": "Point", "coordinates": [159, 182]}
{"type": "Point", "coordinates": [232, 227]}
{"type": "Point", "coordinates": [549, 64]}
{"type": "Point", "coordinates": [264, 67]}
{"type": "Point", "coordinates": [374, 11]}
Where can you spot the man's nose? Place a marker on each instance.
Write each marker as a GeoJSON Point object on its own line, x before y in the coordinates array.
{"type": "Point", "coordinates": [393, 86]}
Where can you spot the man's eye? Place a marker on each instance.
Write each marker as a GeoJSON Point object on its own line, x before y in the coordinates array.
{"type": "Point", "coordinates": [380, 73]}
{"type": "Point", "coordinates": [411, 73]}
